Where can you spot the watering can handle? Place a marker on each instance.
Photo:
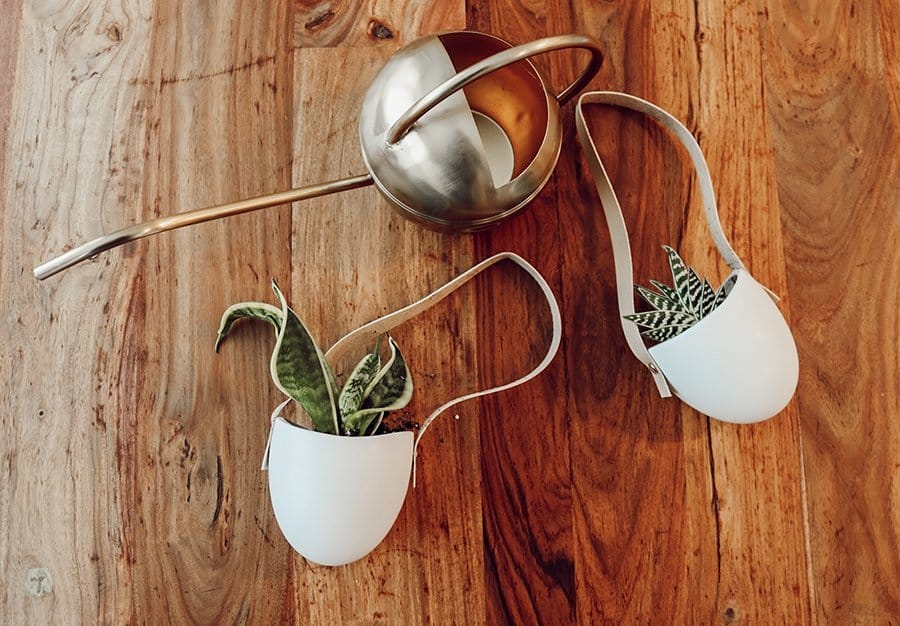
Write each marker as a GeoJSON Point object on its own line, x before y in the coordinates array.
{"type": "Point", "coordinates": [496, 62]}
{"type": "Point", "coordinates": [616, 221]}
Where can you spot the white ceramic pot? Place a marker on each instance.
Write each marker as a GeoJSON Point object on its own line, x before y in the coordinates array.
{"type": "Point", "coordinates": [739, 363]}
{"type": "Point", "coordinates": [335, 497]}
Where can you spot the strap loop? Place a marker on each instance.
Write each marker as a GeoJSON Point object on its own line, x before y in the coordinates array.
{"type": "Point", "coordinates": [615, 220]}
{"type": "Point", "coordinates": [367, 333]}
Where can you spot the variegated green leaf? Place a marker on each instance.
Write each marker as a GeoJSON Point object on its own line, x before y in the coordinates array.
{"type": "Point", "coordinates": [391, 389]}
{"type": "Point", "coordinates": [375, 424]}
{"type": "Point", "coordinates": [658, 319]}
{"type": "Point", "coordinates": [300, 371]}
{"type": "Point", "coordinates": [256, 310]}
{"type": "Point", "coordinates": [658, 301]}
{"type": "Point", "coordinates": [358, 382]}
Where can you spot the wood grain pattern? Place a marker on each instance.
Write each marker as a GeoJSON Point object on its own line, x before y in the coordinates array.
{"type": "Point", "coordinates": [61, 482]}
{"type": "Point", "coordinates": [525, 443]}
{"type": "Point", "coordinates": [129, 488]}
{"type": "Point", "coordinates": [644, 516]}
{"type": "Point", "coordinates": [385, 263]}
{"type": "Point", "coordinates": [386, 23]}
{"type": "Point", "coordinates": [192, 436]}
{"type": "Point", "coordinates": [838, 168]}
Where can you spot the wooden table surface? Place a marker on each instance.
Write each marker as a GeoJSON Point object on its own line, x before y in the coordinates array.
{"type": "Point", "coordinates": [130, 488]}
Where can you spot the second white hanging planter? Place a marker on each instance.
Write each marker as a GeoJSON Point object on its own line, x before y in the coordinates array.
{"type": "Point", "coordinates": [339, 515]}
{"type": "Point", "coordinates": [336, 497]}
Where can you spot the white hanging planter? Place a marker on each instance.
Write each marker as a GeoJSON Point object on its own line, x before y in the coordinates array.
{"type": "Point", "coordinates": [739, 363]}
{"type": "Point", "coordinates": [736, 363]}
{"type": "Point", "coordinates": [335, 498]}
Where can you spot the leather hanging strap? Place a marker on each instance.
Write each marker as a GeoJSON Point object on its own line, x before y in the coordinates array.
{"type": "Point", "coordinates": [364, 336]}
{"type": "Point", "coordinates": [615, 220]}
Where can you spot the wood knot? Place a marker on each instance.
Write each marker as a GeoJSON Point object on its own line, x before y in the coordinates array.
{"type": "Point", "coordinates": [730, 615]}
{"type": "Point", "coordinates": [319, 21]}
{"type": "Point", "coordinates": [378, 30]}
{"type": "Point", "coordinates": [114, 33]}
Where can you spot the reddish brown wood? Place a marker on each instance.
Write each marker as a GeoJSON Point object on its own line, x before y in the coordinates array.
{"type": "Point", "coordinates": [196, 538]}
{"type": "Point", "coordinates": [130, 452]}
{"type": "Point", "coordinates": [831, 75]}
{"type": "Point", "coordinates": [526, 471]}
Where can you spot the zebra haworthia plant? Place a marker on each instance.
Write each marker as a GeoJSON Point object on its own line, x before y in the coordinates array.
{"type": "Point", "coordinates": [675, 309]}
{"type": "Point", "coordinates": [301, 372]}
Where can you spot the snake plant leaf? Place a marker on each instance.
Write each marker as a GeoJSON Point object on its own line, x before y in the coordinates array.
{"type": "Point", "coordinates": [299, 369]}
{"type": "Point", "coordinates": [681, 277]}
{"type": "Point", "coordinates": [390, 390]}
{"type": "Point", "coordinates": [375, 423]}
{"type": "Point", "coordinates": [658, 301]}
{"type": "Point", "coordinates": [354, 391]}
{"type": "Point", "coordinates": [659, 319]}
{"type": "Point", "coordinates": [257, 310]}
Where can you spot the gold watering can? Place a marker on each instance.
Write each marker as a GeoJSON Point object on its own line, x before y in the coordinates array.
{"type": "Point", "coordinates": [459, 131]}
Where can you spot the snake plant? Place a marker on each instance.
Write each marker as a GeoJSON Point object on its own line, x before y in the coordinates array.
{"type": "Point", "coordinates": [300, 371]}
{"type": "Point", "coordinates": [675, 309]}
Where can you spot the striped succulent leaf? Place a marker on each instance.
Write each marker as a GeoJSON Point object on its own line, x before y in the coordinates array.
{"type": "Point", "coordinates": [695, 285]}
{"type": "Point", "coordinates": [682, 279]}
{"type": "Point", "coordinates": [667, 291]}
{"type": "Point", "coordinates": [391, 389]}
{"type": "Point", "coordinates": [241, 310]}
{"type": "Point", "coordinates": [658, 319]}
{"type": "Point", "coordinates": [354, 390]}
{"type": "Point", "coordinates": [708, 300]}
{"type": "Point", "coordinates": [725, 289]}
{"type": "Point", "coordinates": [299, 369]}
{"type": "Point", "coordinates": [675, 309]}
{"type": "Point", "coordinates": [658, 301]}
{"type": "Point", "coordinates": [666, 332]}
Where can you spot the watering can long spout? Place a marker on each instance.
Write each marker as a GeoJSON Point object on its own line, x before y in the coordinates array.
{"type": "Point", "coordinates": [170, 222]}
{"type": "Point", "coordinates": [449, 176]}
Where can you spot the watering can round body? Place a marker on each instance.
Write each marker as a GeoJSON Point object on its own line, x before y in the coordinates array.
{"type": "Point", "coordinates": [460, 130]}
{"type": "Point", "coordinates": [335, 498]}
